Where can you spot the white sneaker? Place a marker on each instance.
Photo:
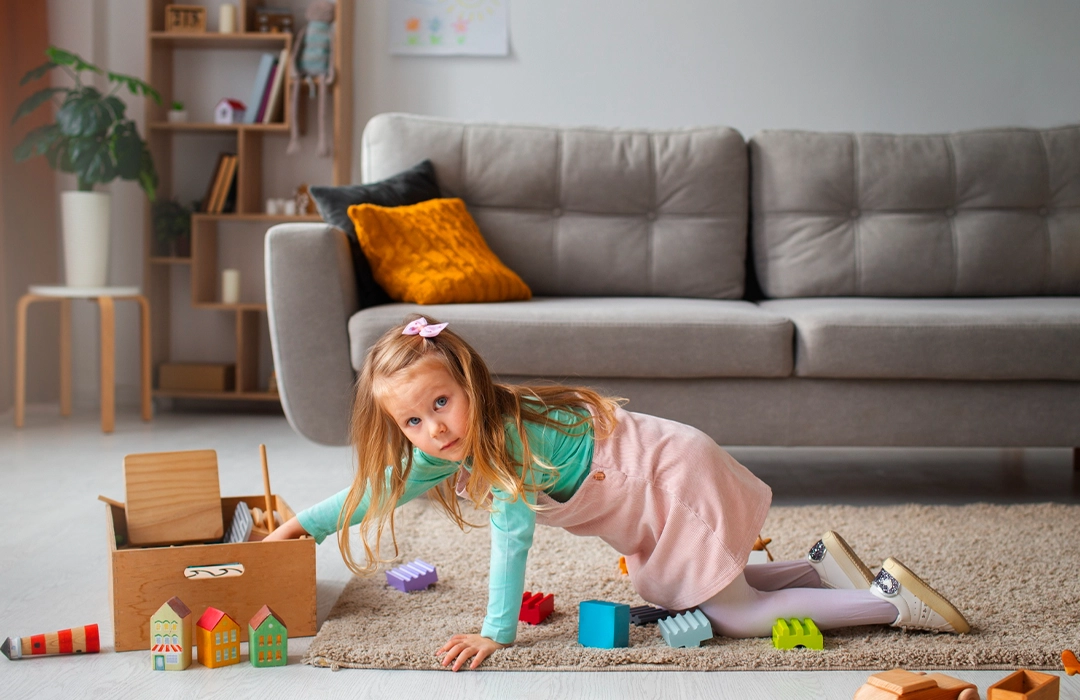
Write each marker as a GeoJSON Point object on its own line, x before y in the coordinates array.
{"type": "Point", "coordinates": [837, 565]}
{"type": "Point", "coordinates": [919, 606]}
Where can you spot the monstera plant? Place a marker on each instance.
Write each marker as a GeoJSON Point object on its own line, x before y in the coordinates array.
{"type": "Point", "coordinates": [94, 139]}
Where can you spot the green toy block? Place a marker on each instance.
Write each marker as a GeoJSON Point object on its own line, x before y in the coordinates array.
{"type": "Point", "coordinates": [793, 633]}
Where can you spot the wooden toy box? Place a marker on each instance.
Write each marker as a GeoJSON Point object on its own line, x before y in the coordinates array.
{"type": "Point", "coordinates": [278, 574]}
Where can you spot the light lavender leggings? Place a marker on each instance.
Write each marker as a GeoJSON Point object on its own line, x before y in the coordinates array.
{"type": "Point", "coordinates": [763, 593]}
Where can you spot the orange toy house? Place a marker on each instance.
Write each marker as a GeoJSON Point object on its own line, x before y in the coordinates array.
{"type": "Point", "coordinates": [217, 637]}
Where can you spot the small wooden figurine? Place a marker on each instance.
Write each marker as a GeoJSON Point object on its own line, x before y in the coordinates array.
{"type": "Point", "coordinates": [1068, 660]}
{"type": "Point", "coordinates": [185, 18]}
{"type": "Point", "coordinates": [899, 683]}
{"type": "Point", "coordinates": [170, 636]}
{"type": "Point", "coordinates": [1025, 685]}
{"type": "Point", "coordinates": [603, 625]}
{"type": "Point", "coordinates": [689, 629]}
{"type": "Point", "coordinates": [229, 111]}
{"type": "Point", "coordinates": [217, 637]}
{"type": "Point", "coordinates": [77, 640]}
{"type": "Point", "coordinates": [268, 639]}
{"type": "Point", "coordinates": [535, 607]}
{"type": "Point", "coordinates": [414, 576]}
{"type": "Point", "coordinates": [796, 633]}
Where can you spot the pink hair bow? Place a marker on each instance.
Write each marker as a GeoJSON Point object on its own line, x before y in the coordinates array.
{"type": "Point", "coordinates": [423, 329]}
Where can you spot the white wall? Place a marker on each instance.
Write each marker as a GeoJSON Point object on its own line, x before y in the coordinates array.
{"type": "Point", "coordinates": [913, 65]}
{"type": "Point", "coordinates": [867, 65]}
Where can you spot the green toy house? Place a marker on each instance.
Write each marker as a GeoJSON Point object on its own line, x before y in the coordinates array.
{"type": "Point", "coordinates": [268, 639]}
{"type": "Point", "coordinates": [170, 636]}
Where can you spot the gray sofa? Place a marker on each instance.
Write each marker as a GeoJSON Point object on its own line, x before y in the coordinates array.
{"type": "Point", "coordinates": [911, 290]}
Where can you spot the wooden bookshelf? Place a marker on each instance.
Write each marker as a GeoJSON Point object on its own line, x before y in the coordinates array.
{"type": "Point", "coordinates": [249, 141]}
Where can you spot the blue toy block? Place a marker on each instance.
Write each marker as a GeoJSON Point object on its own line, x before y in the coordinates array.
{"type": "Point", "coordinates": [603, 625]}
{"type": "Point", "coordinates": [413, 576]}
{"type": "Point", "coordinates": [687, 630]}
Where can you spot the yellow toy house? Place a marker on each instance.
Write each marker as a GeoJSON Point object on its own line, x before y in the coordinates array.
{"type": "Point", "coordinates": [217, 637]}
{"type": "Point", "coordinates": [170, 636]}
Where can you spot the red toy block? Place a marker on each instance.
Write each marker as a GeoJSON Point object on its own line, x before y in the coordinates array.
{"type": "Point", "coordinates": [535, 607]}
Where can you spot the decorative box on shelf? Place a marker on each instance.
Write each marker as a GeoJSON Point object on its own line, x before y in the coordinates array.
{"type": "Point", "coordinates": [177, 376]}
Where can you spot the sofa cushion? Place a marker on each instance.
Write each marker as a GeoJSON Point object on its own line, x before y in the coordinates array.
{"type": "Point", "coordinates": [977, 213]}
{"type": "Point", "coordinates": [605, 337]}
{"type": "Point", "coordinates": [411, 186]}
{"type": "Point", "coordinates": [432, 253]}
{"type": "Point", "coordinates": [974, 339]}
{"type": "Point", "coordinates": [589, 211]}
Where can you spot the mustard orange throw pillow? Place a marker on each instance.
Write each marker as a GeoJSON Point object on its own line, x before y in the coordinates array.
{"type": "Point", "coordinates": [433, 253]}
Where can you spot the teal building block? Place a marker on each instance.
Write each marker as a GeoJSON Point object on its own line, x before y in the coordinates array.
{"type": "Point", "coordinates": [789, 634]}
{"type": "Point", "coordinates": [603, 625]}
{"type": "Point", "coordinates": [687, 630]}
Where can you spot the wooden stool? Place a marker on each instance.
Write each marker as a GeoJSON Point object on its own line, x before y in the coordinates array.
{"type": "Point", "coordinates": [104, 296]}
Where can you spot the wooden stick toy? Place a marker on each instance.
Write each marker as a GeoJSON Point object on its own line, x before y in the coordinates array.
{"type": "Point", "coordinates": [266, 489]}
{"type": "Point", "coordinates": [110, 501]}
{"type": "Point", "coordinates": [77, 640]}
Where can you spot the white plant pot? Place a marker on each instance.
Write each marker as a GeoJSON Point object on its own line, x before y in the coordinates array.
{"type": "Point", "coordinates": [177, 116]}
{"type": "Point", "coordinates": [86, 220]}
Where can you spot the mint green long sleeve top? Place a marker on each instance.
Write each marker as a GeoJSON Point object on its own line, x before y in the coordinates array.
{"type": "Point", "coordinates": [512, 522]}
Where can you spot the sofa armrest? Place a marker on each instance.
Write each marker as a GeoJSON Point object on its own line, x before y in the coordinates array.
{"type": "Point", "coordinates": [310, 296]}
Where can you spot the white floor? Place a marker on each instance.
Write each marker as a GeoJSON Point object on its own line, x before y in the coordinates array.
{"type": "Point", "coordinates": [53, 562]}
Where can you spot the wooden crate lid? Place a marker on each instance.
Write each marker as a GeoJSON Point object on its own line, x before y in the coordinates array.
{"type": "Point", "coordinates": [173, 497]}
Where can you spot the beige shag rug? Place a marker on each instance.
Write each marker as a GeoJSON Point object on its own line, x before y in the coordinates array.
{"type": "Point", "coordinates": [1011, 569]}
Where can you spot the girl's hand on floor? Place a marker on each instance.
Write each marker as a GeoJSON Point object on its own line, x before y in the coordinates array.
{"type": "Point", "coordinates": [462, 647]}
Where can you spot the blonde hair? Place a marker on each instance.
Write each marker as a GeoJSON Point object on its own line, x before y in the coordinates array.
{"type": "Point", "coordinates": [384, 454]}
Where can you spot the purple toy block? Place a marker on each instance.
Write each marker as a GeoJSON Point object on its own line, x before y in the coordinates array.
{"type": "Point", "coordinates": [413, 576]}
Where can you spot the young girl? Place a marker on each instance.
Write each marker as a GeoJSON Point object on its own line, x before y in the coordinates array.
{"type": "Point", "coordinates": [683, 512]}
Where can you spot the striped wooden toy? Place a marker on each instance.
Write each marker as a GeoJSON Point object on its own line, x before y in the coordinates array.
{"type": "Point", "coordinates": [77, 640]}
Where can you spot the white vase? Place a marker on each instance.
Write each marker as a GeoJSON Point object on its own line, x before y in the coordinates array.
{"type": "Point", "coordinates": [86, 220]}
{"type": "Point", "coordinates": [177, 116]}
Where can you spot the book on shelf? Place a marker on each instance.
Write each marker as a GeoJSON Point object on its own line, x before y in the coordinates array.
{"type": "Point", "coordinates": [212, 185]}
{"type": "Point", "coordinates": [265, 98]}
{"type": "Point", "coordinates": [258, 88]}
{"type": "Point", "coordinates": [274, 107]}
{"type": "Point", "coordinates": [228, 200]}
{"type": "Point", "coordinates": [224, 185]}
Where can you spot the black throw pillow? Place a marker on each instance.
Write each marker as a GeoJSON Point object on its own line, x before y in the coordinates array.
{"type": "Point", "coordinates": [412, 186]}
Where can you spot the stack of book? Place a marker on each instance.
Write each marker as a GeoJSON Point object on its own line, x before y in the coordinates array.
{"type": "Point", "coordinates": [267, 92]}
{"type": "Point", "coordinates": [221, 191]}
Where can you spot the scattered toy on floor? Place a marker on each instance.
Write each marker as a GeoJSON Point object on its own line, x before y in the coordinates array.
{"type": "Point", "coordinates": [217, 638]}
{"type": "Point", "coordinates": [535, 607]}
{"type": "Point", "coordinates": [171, 636]}
{"type": "Point", "coordinates": [762, 545]}
{"type": "Point", "coordinates": [1025, 685]}
{"type": "Point", "coordinates": [900, 683]}
{"type": "Point", "coordinates": [646, 615]}
{"type": "Point", "coordinates": [603, 625]}
{"type": "Point", "coordinates": [77, 640]}
{"type": "Point", "coordinates": [689, 629]}
{"type": "Point", "coordinates": [268, 639]}
{"type": "Point", "coordinates": [622, 566]}
{"type": "Point", "coordinates": [414, 576]}
{"type": "Point", "coordinates": [794, 633]}
{"type": "Point", "coordinates": [1068, 660]}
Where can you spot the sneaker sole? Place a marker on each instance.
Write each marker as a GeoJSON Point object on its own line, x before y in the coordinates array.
{"type": "Point", "coordinates": [847, 560]}
{"type": "Point", "coordinates": [928, 595]}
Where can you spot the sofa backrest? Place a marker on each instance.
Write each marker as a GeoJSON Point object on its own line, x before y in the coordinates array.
{"type": "Point", "coordinates": [588, 211]}
{"type": "Point", "coordinates": [977, 213]}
